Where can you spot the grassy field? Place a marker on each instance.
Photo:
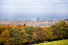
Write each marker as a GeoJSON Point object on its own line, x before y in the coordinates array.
{"type": "Point", "coordinates": [59, 42]}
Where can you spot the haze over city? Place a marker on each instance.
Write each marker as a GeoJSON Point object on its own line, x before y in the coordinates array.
{"type": "Point", "coordinates": [28, 9]}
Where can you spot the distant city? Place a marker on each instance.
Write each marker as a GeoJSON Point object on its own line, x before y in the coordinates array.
{"type": "Point", "coordinates": [31, 22]}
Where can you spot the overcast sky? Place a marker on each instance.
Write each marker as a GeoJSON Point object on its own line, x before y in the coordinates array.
{"type": "Point", "coordinates": [34, 8]}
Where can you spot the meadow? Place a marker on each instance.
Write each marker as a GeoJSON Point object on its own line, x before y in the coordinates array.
{"type": "Point", "coordinates": [59, 42]}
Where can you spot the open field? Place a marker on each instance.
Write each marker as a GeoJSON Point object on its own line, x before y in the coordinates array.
{"type": "Point", "coordinates": [60, 42]}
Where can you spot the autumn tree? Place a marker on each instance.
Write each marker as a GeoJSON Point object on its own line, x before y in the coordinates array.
{"type": "Point", "coordinates": [5, 27]}
{"type": "Point", "coordinates": [49, 33]}
{"type": "Point", "coordinates": [5, 35]}
{"type": "Point", "coordinates": [39, 34]}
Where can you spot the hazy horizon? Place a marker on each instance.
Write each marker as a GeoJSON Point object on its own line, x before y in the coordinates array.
{"type": "Point", "coordinates": [44, 9]}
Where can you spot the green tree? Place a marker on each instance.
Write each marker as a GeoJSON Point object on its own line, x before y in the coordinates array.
{"type": "Point", "coordinates": [1, 40]}
{"type": "Point", "coordinates": [29, 30]}
{"type": "Point", "coordinates": [61, 29]}
{"type": "Point", "coordinates": [18, 36]}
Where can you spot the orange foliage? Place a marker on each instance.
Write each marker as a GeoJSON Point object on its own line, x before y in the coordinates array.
{"type": "Point", "coordinates": [6, 37]}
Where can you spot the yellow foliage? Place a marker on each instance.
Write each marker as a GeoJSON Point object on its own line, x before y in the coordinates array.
{"type": "Point", "coordinates": [5, 36]}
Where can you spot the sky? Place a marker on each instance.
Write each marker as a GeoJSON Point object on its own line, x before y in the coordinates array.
{"type": "Point", "coordinates": [44, 9]}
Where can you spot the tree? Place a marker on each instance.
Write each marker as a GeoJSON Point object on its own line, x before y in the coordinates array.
{"type": "Point", "coordinates": [1, 40]}
{"type": "Point", "coordinates": [39, 34]}
{"type": "Point", "coordinates": [49, 33]}
{"type": "Point", "coordinates": [61, 29]}
{"type": "Point", "coordinates": [24, 25]}
{"type": "Point", "coordinates": [29, 30]}
{"type": "Point", "coordinates": [5, 27]}
{"type": "Point", "coordinates": [5, 35]}
{"type": "Point", "coordinates": [18, 36]}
